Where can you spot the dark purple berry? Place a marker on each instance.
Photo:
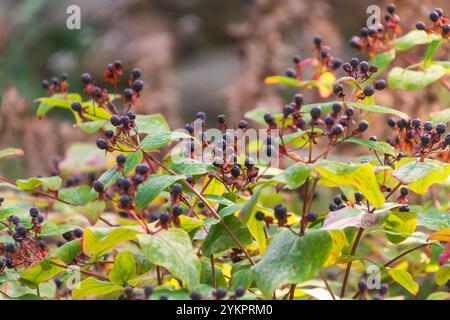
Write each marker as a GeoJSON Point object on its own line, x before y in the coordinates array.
{"type": "Point", "coordinates": [138, 85]}
{"type": "Point", "coordinates": [259, 215]}
{"type": "Point", "coordinates": [102, 144]}
{"type": "Point", "coordinates": [380, 84]}
{"type": "Point", "coordinates": [34, 212]}
{"type": "Point", "coordinates": [98, 186]}
{"type": "Point", "coordinates": [121, 159]}
{"type": "Point", "coordinates": [76, 106]}
{"type": "Point", "coordinates": [86, 78]}
{"type": "Point", "coordinates": [420, 25]}
{"type": "Point", "coordinates": [280, 211]}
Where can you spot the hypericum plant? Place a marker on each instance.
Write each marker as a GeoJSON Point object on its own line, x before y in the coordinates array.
{"type": "Point", "coordinates": [131, 218]}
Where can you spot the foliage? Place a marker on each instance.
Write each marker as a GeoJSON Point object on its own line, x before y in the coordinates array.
{"type": "Point", "coordinates": [152, 217]}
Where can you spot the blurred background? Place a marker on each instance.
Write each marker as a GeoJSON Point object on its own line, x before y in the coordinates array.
{"type": "Point", "coordinates": [209, 55]}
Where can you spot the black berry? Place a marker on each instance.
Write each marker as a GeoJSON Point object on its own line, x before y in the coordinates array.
{"type": "Point", "coordinates": [259, 215]}
{"type": "Point", "coordinates": [176, 189]}
{"type": "Point", "coordinates": [441, 128]}
{"type": "Point", "coordinates": [98, 186]}
{"type": "Point", "coordinates": [86, 78]}
{"type": "Point", "coordinates": [102, 144]}
{"type": "Point", "coordinates": [363, 125]}
{"type": "Point", "coordinates": [358, 196]}
{"type": "Point", "coordinates": [434, 16]}
{"type": "Point", "coordinates": [380, 84]}
{"type": "Point", "coordinates": [164, 217]}
{"type": "Point", "coordinates": [404, 191]}
{"type": "Point", "coordinates": [138, 85]}
{"type": "Point", "coordinates": [369, 91]}
{"type": "Point", "coordinates": [177, 210]}
{"type": "Point", "coordinates": [78, 233]}
{"type": "Point", "coordinates": [420, 25]}
{"type": "Point", "coordinates": [142, 169]}
{"type": "Point", "coordinates": [280, 211]}
{"type": "Point", "coordinates": [316, 111]}
{"type": "Point", "coordinates": [34, 212]}
{"type": "Point", "coordinates": [76, 106]}
{"type": "Point", "coordinates": [121, 159]}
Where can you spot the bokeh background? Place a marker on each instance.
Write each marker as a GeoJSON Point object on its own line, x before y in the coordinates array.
{"type": "Point", "coordinates": [209, 55]}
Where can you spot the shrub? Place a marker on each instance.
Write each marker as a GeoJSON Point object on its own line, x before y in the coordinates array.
{"type": "Point", "coordinates": [201, 219]}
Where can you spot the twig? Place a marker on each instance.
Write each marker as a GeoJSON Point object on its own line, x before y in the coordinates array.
{"type": "Point", "coordinates": [349, 265]}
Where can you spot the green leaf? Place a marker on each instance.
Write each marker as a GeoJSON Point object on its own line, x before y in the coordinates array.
{"type": "Point", "coordinates": [440, 116]}
{"type": "Point", "coordinates": [249, 207]}
{"type": "Point", "coordinates": [78, 196]}
{"type": "Point", "coordinates": [431, 50]}
{"type": "Point", "coordinates": [413, 38]}
{"type": "Point", "coordinates": [172, 249]}
{"type": "Point", "coordinates": [157, 140]}
{"type": "Point", "coordinates": [93, 126]}
{"type": "Point", "coordinates": [219, 240]}
{"type": "Point", "coordinates": [11, 152]}
{"type": "Point", "coordinates": [48, 183]}
{"type": "Point", "coordinates": [400, 226]}
{"type": "Point", "coordinates": [151, 123]}
{"type": "Point", "coordinates": [295, 175]}
{"type": "Point", "coordinates": [433, 219]}
{"type": "Point", "coordinates": [404, 279]}
{"type": "Point", "coordinates": [124, 268]}
{"type": "Point", "coordinates": [380, 146]}
{"type": "Point", "coordinates": [242, 278]}
{"type": "Point", "coordinates": [6, 212]}
{"type": "Point", "coordinates": [206, 276]}
{"type": "Point", "coordinates": [419, 176]}
{"type": "Point", "coordinates": [39, 272]}
{"type": "Point", "coordinates": [190, 167]}
{"type": "Point", "coordinates": [377, 109]}
{"type": "Point", "coordinates": [439, 296]}
{"type": "Point", "coordinates": [256, 229]}
{"type": "Point", "coordinates": [68, 251]}
{"type": "Point", "coordinates": [97, 241]}
{"type": "Point", "coordinates": [153, 186]}
{"type": "Point", "coordinates": [91, 286]}
{"type": "Point", "coordinates": [291, 259]}
{"type": "Point", "coordinates": [442, 275]}
{"type": "Point", "coordinates": [404, 79]}
{"type": "Point", "coordinates": [92, 211]}
{"type": "Point", "coordinates": [362, 176]}
{"type": "Point", "coordinates": [284, 80]}
{"type": "Point", "coordinates": [109, 176]}
{"type": "Point", "coordinates": [382, 60]}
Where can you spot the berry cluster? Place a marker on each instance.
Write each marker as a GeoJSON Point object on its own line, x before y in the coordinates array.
{"type": "Point", "coordinates": [56, 85]}
{"type": "Point", "coordinates": [225, 154]}
{"type": "Point", "coordinates": [439, 24]}
{"type": "Point", "coordinates": [359, 73]}
{"type": "Point", "coordinates": [418, 138]}
{"type": "Point", "coordinates": [324, 62]}
{"type": "Point", "coordinates": [376, 39]}
{"type": "Point", "coordinates": [27, 247]}
{"type": "Point", "coordinates": [124, 122]}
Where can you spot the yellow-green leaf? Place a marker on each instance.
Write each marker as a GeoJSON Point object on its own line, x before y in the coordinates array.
{"type": "Point", "coordinates": [405, 279]}
{"type": "Point", "coordinates": [91, 286]}
{"type": "Point", "coordinates": [419, 176]}
{"type": "Point", "coordinates": [362, 176]}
